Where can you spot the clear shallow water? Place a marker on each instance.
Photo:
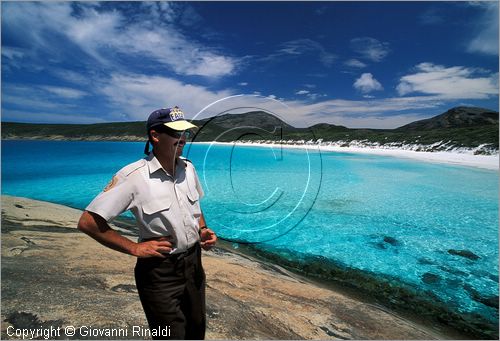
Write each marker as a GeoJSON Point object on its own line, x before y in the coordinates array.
{"type": "Point", "coordinates": [384, 215]}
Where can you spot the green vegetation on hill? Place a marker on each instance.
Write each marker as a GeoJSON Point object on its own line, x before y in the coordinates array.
{"type": "Point", "coordinates": [458, 127]}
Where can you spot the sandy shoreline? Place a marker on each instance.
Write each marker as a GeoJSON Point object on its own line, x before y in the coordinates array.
{"type": "Point", "coordinates": [466, 158]}
{"type": "Point", "coordinates": [54, 275]}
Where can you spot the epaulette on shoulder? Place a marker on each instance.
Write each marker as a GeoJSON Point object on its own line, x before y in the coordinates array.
{"type": "Point", "coordinates": [129, 169]}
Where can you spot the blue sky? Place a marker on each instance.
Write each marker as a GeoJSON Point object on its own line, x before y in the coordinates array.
{"type": "Point", "coordinates": [358, 64]}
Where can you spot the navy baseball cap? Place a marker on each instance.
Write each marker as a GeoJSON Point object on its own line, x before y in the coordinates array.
{"type": "Point", "coordinates": [173, 118]}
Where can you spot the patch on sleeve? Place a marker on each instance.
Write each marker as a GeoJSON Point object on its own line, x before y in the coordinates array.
{"type": "Point", "coordinates": [111, 184]}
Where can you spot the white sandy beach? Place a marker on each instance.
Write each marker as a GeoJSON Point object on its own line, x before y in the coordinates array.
{"type": "Point", "coordinates": [463, 158]}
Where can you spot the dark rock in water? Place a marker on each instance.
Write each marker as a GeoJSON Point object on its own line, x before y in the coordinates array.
{"type": "Point", "coordinates": [19, 206]}
{"type": "Point", "coordinates": [491, 301]}
{"type": "Point", "coordinates": [453, 271]}
{"type": "Point", "coordinates": [453, 283]}
{"type": "Point", "coordinates": [430, 278]}
{"type": "Point", "coordinates": [483, 273]}
{"type": "Point", "coordinates": [391, 240]}
{"type": "Point", "coordinates": [464, 253]}
{"type": "Point", "coordinates": [425, 261]}
{"type": "Point", "coordinates": [378, 245]}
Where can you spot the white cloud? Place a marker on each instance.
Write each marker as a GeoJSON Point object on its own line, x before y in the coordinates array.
{"type": "Point", "coordinates": [72, 76]}
{"type": "Point", "coordinates": [314, 96]}
{"type": "Point", "coordinates": [368, 113]}
{"type": "Point", "coordinates": [371, 113]}
{"type": "Point", "coordinates": [302, 92]}
{"type": "Point", "coordinates": [355, 63]}
{"type": "Point", "coordinates": [303, 46]}
{"type": "Point", "coordinates": [457, 82]}
{"type": "Point", "coordinates": [366, 83]}
{"type": "Point", "coordinates": [370, 48]}
{"type": "Point", "coordinates": [42, 97]}
{"type": "Point", "coordinates": [485, 39]}
{"type": "Point", "coordinates": [243, 83]}
{"type": "Point", "coordinates": [102, 34]}
{"type": "Point", "coordinates": [137, 96]}
{"type": "Point", "coordinates": [64, 92]}
{"type": "Point", "coordinates": [12, 52]}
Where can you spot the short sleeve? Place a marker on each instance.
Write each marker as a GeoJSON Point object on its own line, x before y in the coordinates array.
{"type": "Point", "coordinates": [115, 199]}
{"type": "Point", "coordinates": [198, 184]}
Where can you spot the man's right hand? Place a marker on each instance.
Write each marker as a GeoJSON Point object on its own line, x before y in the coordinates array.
{"type": "Point", "coordinates": [152, 248]}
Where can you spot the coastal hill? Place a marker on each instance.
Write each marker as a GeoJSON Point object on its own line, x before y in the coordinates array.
{"type": "Point", "coordinates": [459, 117]}
{"type": "Point", "coordinates": [460, 127]}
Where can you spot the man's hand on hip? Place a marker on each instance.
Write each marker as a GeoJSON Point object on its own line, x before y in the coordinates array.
{"type": "Point", "coordinates": [152, 248]}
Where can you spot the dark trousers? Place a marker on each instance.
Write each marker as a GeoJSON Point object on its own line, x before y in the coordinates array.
{"type": "Point", "coordinates": [172, 293]}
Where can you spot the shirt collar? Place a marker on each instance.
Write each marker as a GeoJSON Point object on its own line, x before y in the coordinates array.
{"type": "Point", "coordinates": [154, 165]}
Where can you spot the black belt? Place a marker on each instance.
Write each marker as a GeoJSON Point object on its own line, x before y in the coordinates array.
{"type": "Point", "coordinates": [168, 239]}
{"type": "Point", "coordinates": [188, 252]}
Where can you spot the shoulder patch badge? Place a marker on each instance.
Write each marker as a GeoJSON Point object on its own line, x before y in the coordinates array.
{"type": "Point", "coordinates": [111, 184]}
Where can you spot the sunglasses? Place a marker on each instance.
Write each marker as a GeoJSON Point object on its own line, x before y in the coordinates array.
{"type": "Point", "coordinates": [177, 134]}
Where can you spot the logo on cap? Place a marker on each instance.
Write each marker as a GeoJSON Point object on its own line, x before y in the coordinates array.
{"type": "Point", "coordinates": [176, 114]}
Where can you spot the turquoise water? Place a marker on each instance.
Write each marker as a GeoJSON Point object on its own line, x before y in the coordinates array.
{"type": "Point", "coordinates": [383, 215]}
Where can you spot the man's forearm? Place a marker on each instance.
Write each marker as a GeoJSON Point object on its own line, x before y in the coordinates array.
{"type": "Point", "coordinates": [97, 228]}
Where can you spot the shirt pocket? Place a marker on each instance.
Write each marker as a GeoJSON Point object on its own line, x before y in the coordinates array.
{"type": "Point", "coordinates": [157, 206]}
{"type": "Point", "coordinates": [193, 196]}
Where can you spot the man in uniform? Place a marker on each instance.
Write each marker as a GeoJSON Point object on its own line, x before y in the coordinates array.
{"type": "Point", "coordinates": [163, 192]}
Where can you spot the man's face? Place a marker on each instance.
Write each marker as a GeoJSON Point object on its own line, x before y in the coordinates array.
{"type": "Point", "coordinates": [170, 143]}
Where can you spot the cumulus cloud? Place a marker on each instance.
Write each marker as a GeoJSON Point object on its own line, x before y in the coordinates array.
{"type": "Point", "coordinates": [370, 48]}
{"type": "Point", "coordinates": [366, 83]}
{"type": "Point", "coordinates": [457, 82]}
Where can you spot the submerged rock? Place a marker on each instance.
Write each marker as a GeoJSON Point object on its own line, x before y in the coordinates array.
{"type": "Point", "coordinates": [430, 278]}
{"type": "Point", "coordinates": [391, 240]}
{"type": "Point", "coordinates": [464, 253]}
{"type": "Point", "coordinates": [490, 301]}
{"type": "Point", "coordinates": [425, 261]}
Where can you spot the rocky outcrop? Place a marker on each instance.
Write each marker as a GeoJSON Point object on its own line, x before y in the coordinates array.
{"type": "Point", "coordinates": [55, 276]}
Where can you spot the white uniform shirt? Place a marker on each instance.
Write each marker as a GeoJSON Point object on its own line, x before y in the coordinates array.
{"type": "Point", "coordinates": [162, 205]}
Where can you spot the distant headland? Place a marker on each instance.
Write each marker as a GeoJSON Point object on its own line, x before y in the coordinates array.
{"type": "Point", "coordinates": [458, 128]}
